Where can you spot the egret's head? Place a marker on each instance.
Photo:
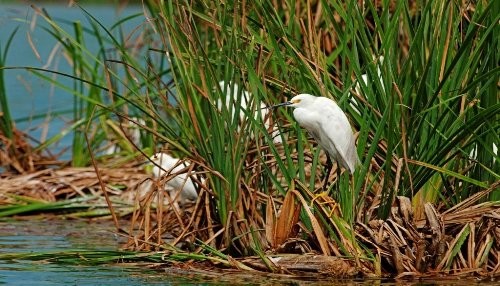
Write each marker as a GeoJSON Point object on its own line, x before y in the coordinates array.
{"type": "Point", "coordinates": [297, 101]}
{"type": "Point", "coordinates": [301, 100]}
{"type": "Point", "coordinates": [164, 160]}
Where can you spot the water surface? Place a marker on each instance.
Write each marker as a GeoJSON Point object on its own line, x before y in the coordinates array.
{"type": "Point", "coordinates": [39, 235]}
{"type": "Point", "coordinates": [42, 234]}
{"type": "Point", "coordinates": [40, 109]}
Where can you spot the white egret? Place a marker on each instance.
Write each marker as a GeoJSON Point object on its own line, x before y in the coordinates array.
{"type": "Point", "coordinates": [181, 183]}
{"type": "Point", "coordinates": [473, 152]}
{"type": "Point", "coordinates": [246, 101]}
{"type": "Point", "coordinates": [354, 103]}
{"type": "Point", "coordinates": [245, 106]}
{"type": "Point", "coordinates": [328, 125]}
{"type": "Point", "coordinates": [364, 77]}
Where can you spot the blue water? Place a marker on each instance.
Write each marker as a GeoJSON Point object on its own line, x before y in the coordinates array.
{"type": "Point", "coordinates": [38, 107]}
{"type": "Point", "coordinates": [52, 235]}
{"type": "Point", "coordinates": [42, 235]}
{"type": "Point", "coordinates": [45, 235]}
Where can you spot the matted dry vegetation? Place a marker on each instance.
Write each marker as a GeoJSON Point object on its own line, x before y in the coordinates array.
{"type": "Point", "coordinates": [463, 240]}
{"type": "Point", "coordinates": [403, 245]}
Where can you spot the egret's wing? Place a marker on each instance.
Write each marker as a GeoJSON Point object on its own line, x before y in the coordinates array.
{"type": "Point", "coordinates": [336, 135]}
{"type": "Point", "coordinates": [310, 121]}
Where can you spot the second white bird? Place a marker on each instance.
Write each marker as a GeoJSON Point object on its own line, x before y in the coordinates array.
{"type": "Point", "coordinates": [328, 125]}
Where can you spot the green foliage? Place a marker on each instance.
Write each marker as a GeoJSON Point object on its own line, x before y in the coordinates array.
{"type": "Point", "coordinates": [434, 101]}
{"type": "Point", "coordinates": [109, 81]}
{"type": "Point", "coordinates": [89, 206]}
{"type": "Point", "coordinates": [6, 122]}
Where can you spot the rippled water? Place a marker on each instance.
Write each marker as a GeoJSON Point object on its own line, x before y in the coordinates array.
{"type": "Point", "coordinates": [41, 234]}
{"type": "Point", "coordinates": [44, 235]}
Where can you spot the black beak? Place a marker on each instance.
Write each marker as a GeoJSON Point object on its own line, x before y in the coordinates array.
{"type": "Point", "coordinates": [278, 105]}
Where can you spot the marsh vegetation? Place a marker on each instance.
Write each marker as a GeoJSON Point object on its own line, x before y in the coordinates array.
{"type": "Point", "coordinates": [425, 200]}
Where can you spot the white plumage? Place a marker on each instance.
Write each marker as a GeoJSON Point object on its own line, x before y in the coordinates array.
{"type": "Point", "coordinates": [181, 182]}
{"type": "Point", "coordinates": [245, 106]}
{"type": "Point", "coordinates": [364, 77]}
{"type": "Point", "coordinates": [328, 125]}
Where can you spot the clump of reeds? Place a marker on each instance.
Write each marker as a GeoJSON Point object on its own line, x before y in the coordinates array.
{"type": "Point", "coordinates": [424, 115]}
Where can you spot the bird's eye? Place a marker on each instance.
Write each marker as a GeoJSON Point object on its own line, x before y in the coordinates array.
{"type": "Point", "coordinates": [296, 100]}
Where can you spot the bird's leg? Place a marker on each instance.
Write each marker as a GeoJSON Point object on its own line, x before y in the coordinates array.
{"type": "Point", "coordinates": [339, 173]}
{"type": "Point", "coordinates": [329, 166]}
